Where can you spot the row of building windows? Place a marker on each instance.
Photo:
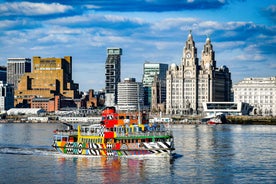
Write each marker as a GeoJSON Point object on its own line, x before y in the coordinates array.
{"type": "Point", "coordinates": [255, 89]}
{"type": "Point", "coordinates": [256, 97]}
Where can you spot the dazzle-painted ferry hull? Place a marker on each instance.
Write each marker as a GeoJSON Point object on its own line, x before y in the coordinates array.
{"type": "Point", "coordinates": [128, 149]}
{"type": "Point", "coordinates": [115, 136]}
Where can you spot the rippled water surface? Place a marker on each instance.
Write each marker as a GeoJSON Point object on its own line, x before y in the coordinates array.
{"type": "Point", "coordinates": [204, 154]}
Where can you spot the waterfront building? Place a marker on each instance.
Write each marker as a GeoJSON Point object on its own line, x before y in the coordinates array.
{"type": "Point", "coordinates": [154, 76]}
{"type": "Point", "coordinates": [112, 75]}
{"type": "Point", "coordinates": [94, 99]}
{"type": "Point", "coordinates": [258, 92]}
{"type": "Point", "coordinates": [3, 74]}
{"type": "Point", "coordinates": [6, 96]}
{"type": "Point", "coordinates": [191, 84]}
{"type": "Point", "coordinates": [44, 103]}
{"type": "Point", "coordinates": [130, 95]}
{"type": "Point", "coordinates": [25, 111]}
{"type": "Point", "coordinates": [158, 95]}
{"type": "Point", "coordinates": [227, 108]}
{"type": "Point", "coordinates": [16, 68]}
{"type": "Point", "coordinates": [57, 103]}
{"type": "Point", "coordinates": [50, 77]}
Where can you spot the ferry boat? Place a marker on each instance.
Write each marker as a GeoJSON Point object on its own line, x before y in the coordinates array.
{"type": "Point", "coordinates": [118, 134]}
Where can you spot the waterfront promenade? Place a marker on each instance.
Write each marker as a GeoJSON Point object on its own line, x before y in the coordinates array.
{"type": "Point", "coordinates": [245, 120]}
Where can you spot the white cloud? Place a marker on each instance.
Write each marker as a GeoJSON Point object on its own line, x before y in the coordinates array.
{"type": "Point", "coordinates": [170, 23]}
{"type": "Point", "coordinates": [7, 23]}
{"type": "Point", "coordinates": [30, 9]}
{"type": "Point", "coordinates": [89, 6]}
{"type": "Point", "coordinates": [210, 24]}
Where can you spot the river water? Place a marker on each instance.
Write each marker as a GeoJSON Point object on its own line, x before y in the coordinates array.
{"type": "Point", "coordinates": [204, 154]}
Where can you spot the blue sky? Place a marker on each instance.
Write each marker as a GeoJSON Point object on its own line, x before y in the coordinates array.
{"type": "Point", "coordinates": [243, 34]}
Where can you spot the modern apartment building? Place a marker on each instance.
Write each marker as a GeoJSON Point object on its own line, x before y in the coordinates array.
{"type": "Point", "coordinates": [191, 84]}
{"type": "Point", "coordinates": [16, 68]}
{"type": "Point", "coordinates": [154, 74]}
{"type": "Point", "coordinates": [258, 92]}
{"type": "Point", "coordinates": [112, 75]}
{"type": "Point", "coordinates": [6, 96]}
{"type": "Point", "coordinates": [130, 95]}
{"type": "Point", "coordinates": [50, 77]}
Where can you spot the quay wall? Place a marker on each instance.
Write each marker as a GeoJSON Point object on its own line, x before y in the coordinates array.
{"type": "Point", "coordinates": [243, 120]}
{"type": "Point", "coordinates": [252, 120]}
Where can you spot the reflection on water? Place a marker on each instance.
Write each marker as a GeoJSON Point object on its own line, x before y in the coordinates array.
{"type": "Point", "coordinates": [227, 153]}
{"type": "Point", "coordinates": [114, 169]}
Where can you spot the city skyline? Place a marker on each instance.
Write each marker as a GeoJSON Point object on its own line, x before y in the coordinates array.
{"type": "Point", "coordinates": [152, 31]}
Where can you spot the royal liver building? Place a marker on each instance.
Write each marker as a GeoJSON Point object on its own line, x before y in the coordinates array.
{"type": "Point", "coordinates": [190, 84]}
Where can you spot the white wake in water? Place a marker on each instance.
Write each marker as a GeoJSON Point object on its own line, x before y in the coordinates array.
{"type": "Point", "coordinates": [26, 151]}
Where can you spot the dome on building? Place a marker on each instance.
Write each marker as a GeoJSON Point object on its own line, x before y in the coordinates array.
{"type": "Point", "coordinates": [208, 40]}
{"type": "Point", "coordinates": [173, 66]}
{"type": "Point", "coordinates": [190, 36]}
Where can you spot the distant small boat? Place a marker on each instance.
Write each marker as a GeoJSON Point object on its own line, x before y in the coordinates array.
{"type": "Point", "coordinates": [214, 121]}
{"type": "Point", "coordinates": [219, 119]}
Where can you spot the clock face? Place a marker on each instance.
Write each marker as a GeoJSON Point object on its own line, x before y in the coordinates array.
{"type": "Point", "coordinates": [207, 65]}
{"type": "Point", "coordinates": [188, 55]}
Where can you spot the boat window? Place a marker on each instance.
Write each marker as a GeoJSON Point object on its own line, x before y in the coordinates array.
{"type": "Point", "coordinates": [136, 129]}
{"type": "Point", "coordinates": [58, 138]}
{"type": "Point", "coordinates": [119, 130]}
{"type": "Point", "coordinates": [64, 139]}
{"type": "Point", "coordinates": [110, 117]}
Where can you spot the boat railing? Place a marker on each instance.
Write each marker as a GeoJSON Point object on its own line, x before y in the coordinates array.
{"type": "Point", "coordinates": [146, 133]}
{"type": "Point", "coordinates": [66, 132]}
{"type": "Point", "coordinates": [118, 134]}
{"type": "Point", "coordinates": [91, 134]}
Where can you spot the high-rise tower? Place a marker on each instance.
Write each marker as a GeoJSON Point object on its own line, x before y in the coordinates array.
{"type": "Point", "coordinates": [6, 96]}
{"type": "Point", "coordinates": [16, 68]}
{"type": "Point", "coordinates": [154, 73]}
{"type": "Point", "coordinates": [130, 95]}
{"type": "Point", "coordinates": [112, 75]}
{"type": "Point", "coordinates": [3, 74]}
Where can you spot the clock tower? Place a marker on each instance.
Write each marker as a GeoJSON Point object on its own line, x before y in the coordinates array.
{"type": "Point", "coordinates": [189, 59]}
{"type": "Point", "coordinates": [189, 71]}
{"type": "Point", "coordinates": [208, 56]}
